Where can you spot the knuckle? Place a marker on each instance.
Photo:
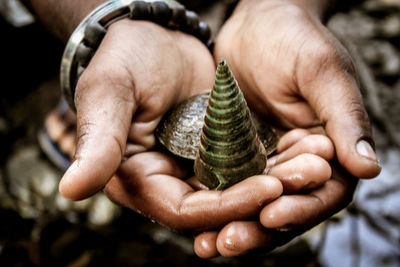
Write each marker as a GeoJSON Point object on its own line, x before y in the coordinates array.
{"type": "Point", "coordinates": [326, 53]}
{"type": "Point", "coordinates": [84, 129]}
{"type": "Point", "coordinates": [357, 111]}
{"type": "Point", "coordinates": [115, 75]}
{"type": "Point", "coordinates": [291, 137]}
{"type": "Point", "coordinates": [267, 188]}
{"type": "Point", "coordinates": [320, 145]}
{"type": "Point", "coordinates": [313, 142]}
{"type": "Point", "coordinates": [318, 53]}
{"type": "Point", "coordinates": [298, 133]}
{"type": "Point", "coordinates": [313, 163]}
{"type": "Point", "coordinates": [309, 160]}
{"type": "Point", "coordinates": [359, 115]}
{"type": "Point", "coordinates": [89, 77]}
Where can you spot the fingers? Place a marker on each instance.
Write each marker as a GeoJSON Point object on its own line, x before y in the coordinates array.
{"type": "Point", "coordinates": [314, 144]}
{"type": "Point", "coordinates": [105, 105]}
{"type": "Point", "coordinates": [290, 215]}
{"type": "Point", "coordinates": [234, 239]}
{"type": "Point", "coordinates": [333, 92]}
{"type": "Point", "coordinates": [302, 162]}
{"type": "Point", "coordinates": [155, 192]}
{"type": "Point", "coordinates": [241, 236]}
{"type": "Point", "coordinates": [205, 245]}
{"type": "Point", "coordinates": [290, 138]}
{"type": "Point", "coordinates": [301, 211]}
{"type": "Point", "coordinates": [237, 238]}
{"type": "Point", "coordinates": [303, 172]}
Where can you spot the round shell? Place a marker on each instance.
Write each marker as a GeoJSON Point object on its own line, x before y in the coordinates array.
{"type": "Point", "coordinates": [180, 129]}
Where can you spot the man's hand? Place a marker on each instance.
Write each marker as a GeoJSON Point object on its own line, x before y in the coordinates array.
{"type": "Point", "coordinates": [157, 186]}
{"type": "Point", "coordinates": [293, 71]}
{"type": "Point", "coordinates": [308, 200]}
{"type": "Point", "coordinates": [139, 72]}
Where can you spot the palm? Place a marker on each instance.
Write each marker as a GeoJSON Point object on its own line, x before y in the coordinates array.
{"type": "Point", "coordinates": [158, 186]}
{"type": "Point", "coordinates": [139, 71]}
{"type": "Point", "coordinates": [276, 56]}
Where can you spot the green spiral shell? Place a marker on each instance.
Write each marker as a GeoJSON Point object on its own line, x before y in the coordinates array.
{"type": "Point", "coordinates": [230, 149]}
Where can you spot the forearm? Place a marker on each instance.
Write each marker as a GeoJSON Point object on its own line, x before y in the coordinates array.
{"type": "Point", "coordinates": [317, 8]}
{"type": "Point", "coordinates": [61, 17]}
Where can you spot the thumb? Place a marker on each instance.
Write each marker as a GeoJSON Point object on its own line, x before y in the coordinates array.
{"type": "Point", "coordinates": [104, 113]}
{"type": "Point", "coordinates": [336, 98]}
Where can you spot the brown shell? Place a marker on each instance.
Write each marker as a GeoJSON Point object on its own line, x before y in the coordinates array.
{"type": "Point", "coordinates": [180, 129]}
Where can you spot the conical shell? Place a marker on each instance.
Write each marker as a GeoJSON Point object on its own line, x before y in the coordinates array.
{"type": "Point", "coordinates": [230, 149]}
{"type": "Point", "coordinates": [180, 129]}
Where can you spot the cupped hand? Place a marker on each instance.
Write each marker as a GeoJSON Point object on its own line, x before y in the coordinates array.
{"type": "Point", "coordinates": [139, 71]}
{"type": "Point", "coordinates": [293, 71]}
{"type": "Point", "coordinates": [158, 186]}
{"type": "Point", "coordinates": [313, 192]}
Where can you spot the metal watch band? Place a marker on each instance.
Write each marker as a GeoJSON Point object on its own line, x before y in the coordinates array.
{"type": "Point", "coordinates": [87, 36]}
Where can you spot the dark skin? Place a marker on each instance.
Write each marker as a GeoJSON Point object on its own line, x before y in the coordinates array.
{"type": "Point", "coordinates": [295, 211]}
{"type": "Point", "coordinates": [293, 72]}
{"type": "Point", "coordinates": [302, 76]}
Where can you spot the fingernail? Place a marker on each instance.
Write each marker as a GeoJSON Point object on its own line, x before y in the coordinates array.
{"type": "Point", "coordinates": [286, 228]}
{"type": "Point", "coordinates": [365, 149]}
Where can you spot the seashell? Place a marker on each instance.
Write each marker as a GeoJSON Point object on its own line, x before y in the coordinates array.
{"type": "Point", "coordinates": [230, 149]}
{"type": "Point", "coordinates": [218, 131]}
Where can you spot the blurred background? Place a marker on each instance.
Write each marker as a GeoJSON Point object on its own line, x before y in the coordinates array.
{"type": "Point", "coordinates": [38, 227]}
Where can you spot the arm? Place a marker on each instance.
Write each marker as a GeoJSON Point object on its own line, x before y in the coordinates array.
{"type": "Point", "coordinates": [318, 8]}
{"type": "Point", "coordinates": [61, 17]}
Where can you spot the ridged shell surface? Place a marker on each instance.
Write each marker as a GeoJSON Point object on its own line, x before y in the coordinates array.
{"type": "Point", "coordinates": [180, 129]}
{"type": "Point", "coordinates": [230, 149]}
